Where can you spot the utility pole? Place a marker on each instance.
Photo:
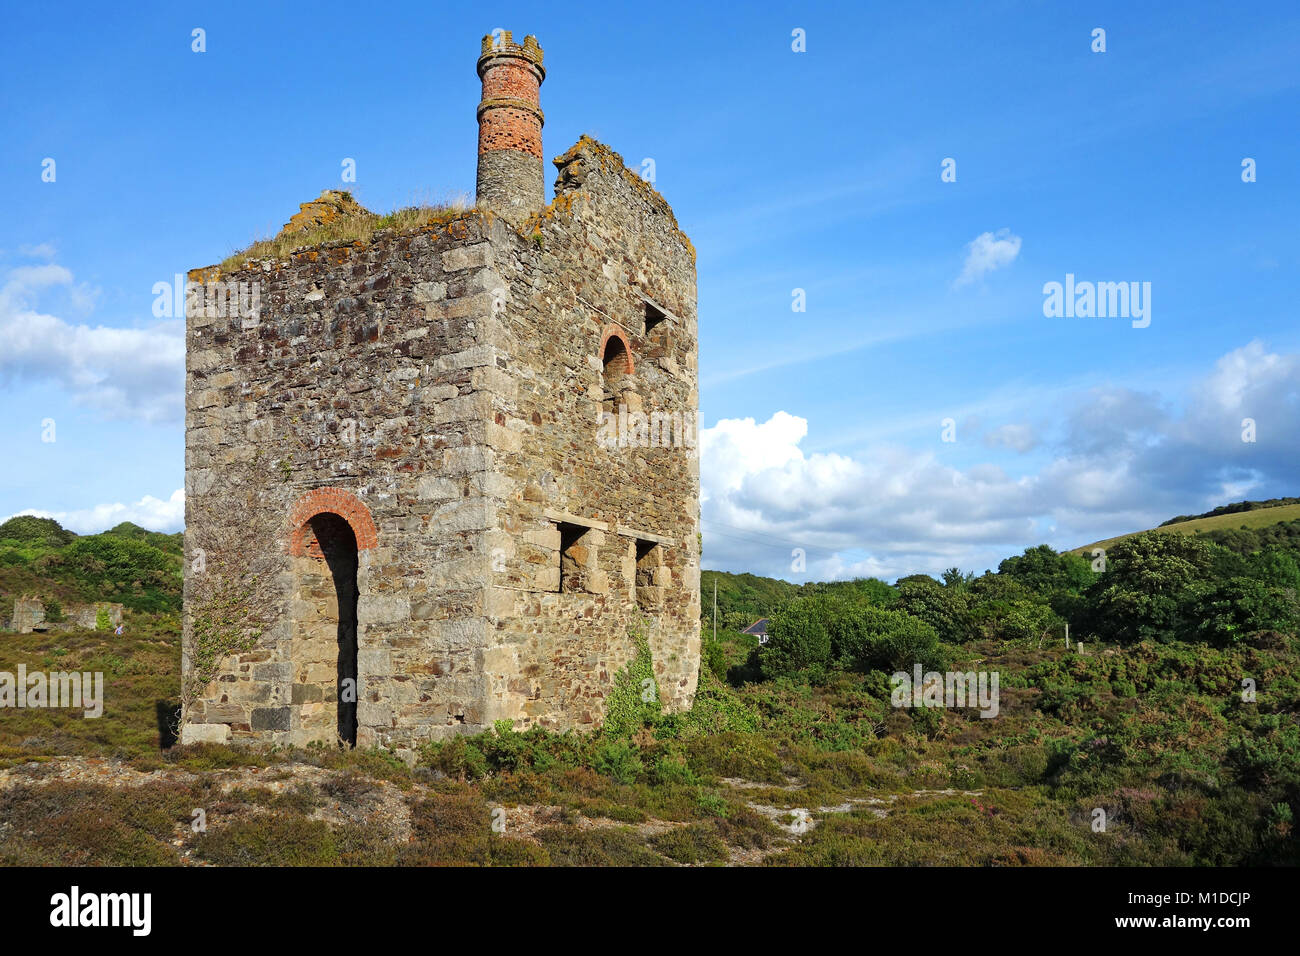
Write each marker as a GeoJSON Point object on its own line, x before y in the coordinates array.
{"type": "Point", "coordinates": [1067, 635]}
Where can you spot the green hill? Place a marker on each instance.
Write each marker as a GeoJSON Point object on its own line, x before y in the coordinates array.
{"type": "Point", "coordinates": [744, 598]}
{"type": "Point", "coordinates": [127, 565]}
{"type": "Point", "coordinates": [1245, 515]}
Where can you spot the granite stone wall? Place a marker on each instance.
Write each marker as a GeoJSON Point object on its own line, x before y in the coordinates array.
{"type": "Point", "coordinates": [457, 466]}
{"type": "Point", "coordinates": [361, 389]}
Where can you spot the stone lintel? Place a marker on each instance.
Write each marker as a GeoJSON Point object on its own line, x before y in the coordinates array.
{"type": "Point", "coordinates": [564, 517]}
{"type": "Point", "coordinates": [644, 535]}
{"type": "Point", "coordinates": [667, 314]}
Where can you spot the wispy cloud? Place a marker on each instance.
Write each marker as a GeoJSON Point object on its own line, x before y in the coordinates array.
{"type": "Point", "coordinates": [43, 250]}
{"type": "Point", "coordinates": [987, 253]}
{"type": "Point", "coordinates": [1019, 438]}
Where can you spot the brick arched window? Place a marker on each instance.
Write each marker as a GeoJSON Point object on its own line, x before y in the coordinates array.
{"type": "Point", "coordinates": [616, 358]}
{"type": "Point", "coordinates": [330, 501]}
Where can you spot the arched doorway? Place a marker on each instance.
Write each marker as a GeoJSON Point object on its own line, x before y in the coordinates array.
{"type": "Point", "coordinates": [338, 548]}
{"type": "Point", "coordinates": [329, 528]}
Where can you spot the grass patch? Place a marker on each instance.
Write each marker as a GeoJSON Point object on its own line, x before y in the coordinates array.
{"type": "Point", "coordinates": [73, 824]}
{"type": "Point", "coordinates": [292, 839]}
{"type": "Point", "coordinates": [606, 846]}
{"type": "Point", "coordinates": [360, 227]}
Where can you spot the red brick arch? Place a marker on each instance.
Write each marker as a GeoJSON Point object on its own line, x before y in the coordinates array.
{"type": "Point", "coordinates": [614, 332]}
{"type": "Point", "coordinates": [335, 501]}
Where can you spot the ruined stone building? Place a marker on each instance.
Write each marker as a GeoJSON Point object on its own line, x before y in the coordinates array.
{"type": "Point", "coordinates": [31, 615]}
{"type": "Point", "coordinates": [452, 465]}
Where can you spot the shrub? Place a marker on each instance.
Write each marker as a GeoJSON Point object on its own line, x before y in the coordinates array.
{"type": "Point", "coordinates": [619, 759]}
{"type": "Point", "coordinates": [1148, 591]}
{"type": "Point", "coordinates": [449, 828]}
{"type": "Point", "coordinates": [713, 658]}
{"type": "Point", "coordinates": [29, 528]}
{"type": "Point", "coordinates": [673, 770]}
{"type": "Point", "coordinates": [1230, 610]}
{"type": "Point", "coordinates": [270, 840]}
{"type": "Point", "coordinates": [716, 708]}
{"type": "Point", "coordinates": [730, 754]}
{"type": "Point", "coordinates": [798, 638]}
{"type": "Point", "coordinates": [603, 846]}
{"type": "Point", "coordinates": [945, 609]}
{"type": "Point", "coordinates": [872, 638]}
{"type": "Point", "coordinates": [812, 634]}
{"type": "Point", "coordinates": [503, 749]}
{"type": "Point", "coordinates": [696, 843]}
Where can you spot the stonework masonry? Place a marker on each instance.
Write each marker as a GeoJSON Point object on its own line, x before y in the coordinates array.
{"type": "Point", "coordinates": [402, 450]}
{"type": "Point", "coordinates": [30, 615]}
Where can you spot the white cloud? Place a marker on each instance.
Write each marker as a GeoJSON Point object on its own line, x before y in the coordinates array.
{"type": "Point", "coordinates": [1119, 460]}
{"type": "Point", "coordinates": [1246, 380]}
{"type": "Point", "coordinates": [987, 252]}
{"type": "Point", "coordinates": [123, 372]}
{"type": "Point", "coordinates": [150, 513]}
{"type": "Point", "coordinates": [733, 448]}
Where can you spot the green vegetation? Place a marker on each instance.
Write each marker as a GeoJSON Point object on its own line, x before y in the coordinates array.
{"type": "Point", "coordinates": [127, 565]}
{"type": "Point", "coordinates": [224, 621]}
{"type": "Point", "coordinates": [360, 226]}
{"type": "Point", "coordinates": [141, 671]}
{"type": "Point", "coordinates": [1244, 515]}
{"type": "Point", "coordinates": [1177, 718]}
{"type": "Point", "coordinates": [1236, 507]}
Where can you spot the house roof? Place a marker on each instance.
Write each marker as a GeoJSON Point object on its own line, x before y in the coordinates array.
{"type": "Point", "coordinates": [759, 627]}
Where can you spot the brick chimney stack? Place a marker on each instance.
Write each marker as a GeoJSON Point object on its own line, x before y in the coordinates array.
{"type": "Point", "coordinates": [510, 177]}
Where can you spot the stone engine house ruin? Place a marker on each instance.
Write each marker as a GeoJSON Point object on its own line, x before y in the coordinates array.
{"type": "Point", "coordinates": [451, 467]}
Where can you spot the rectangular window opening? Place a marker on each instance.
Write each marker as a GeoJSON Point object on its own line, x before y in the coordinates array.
{"type": "Point", "coordinates": [653, 316]}
{"type": "Point", "coordinates": [573, 558]}
{"type": "Point", "coordinates": [649, 556]}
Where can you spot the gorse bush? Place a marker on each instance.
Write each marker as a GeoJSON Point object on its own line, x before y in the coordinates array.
{"type": "Point", "coordinates": [823, 633]}
{"type": "Point", "coordinates": [620, 759]}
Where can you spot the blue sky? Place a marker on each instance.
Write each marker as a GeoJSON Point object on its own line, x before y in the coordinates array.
{"type": "Point", "coordinates": [816, 170]}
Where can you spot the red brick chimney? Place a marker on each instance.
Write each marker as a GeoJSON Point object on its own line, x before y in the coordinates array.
{"type": "Point", "coordinates": [510, 177]}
